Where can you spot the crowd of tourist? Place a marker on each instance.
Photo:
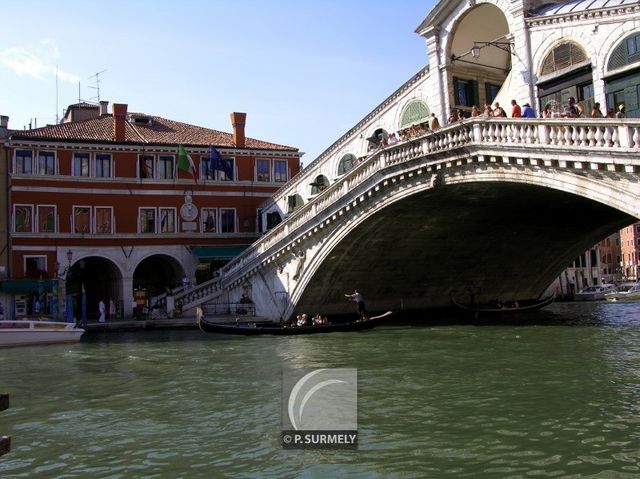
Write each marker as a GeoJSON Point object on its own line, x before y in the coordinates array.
{"type": "Point", "coordinates": [571, 110]}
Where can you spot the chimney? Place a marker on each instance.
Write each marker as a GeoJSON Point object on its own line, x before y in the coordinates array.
{"type": "Point", "coordinates": [119, 121]}
{"type": "Point", "coordinates": [238, 121]}
{"type": "Point", "coordinates": [4, 127]}
{"type": "Point", "coordinates": [103, 107]}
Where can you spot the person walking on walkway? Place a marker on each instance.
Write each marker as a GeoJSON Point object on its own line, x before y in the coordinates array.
{"type": "Point", "coordinates": [359, 300]}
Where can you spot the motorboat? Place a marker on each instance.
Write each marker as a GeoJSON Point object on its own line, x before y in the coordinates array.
{"type": "Point", "coordinates": [22, 332]}
{"type": "Point", "coordinates": [625, 292]}
{"type": "Point", "coordinates": [251, 329]}
{"type": "Point", "coordinates": [594, 293]}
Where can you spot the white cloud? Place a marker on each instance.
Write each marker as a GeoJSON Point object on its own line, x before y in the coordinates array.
{"type": "Point", "coordinates": [36, 61]}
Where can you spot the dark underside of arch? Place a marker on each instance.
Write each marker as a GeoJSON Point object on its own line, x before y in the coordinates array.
{"type": "Point", "coordinates": [495, 240]}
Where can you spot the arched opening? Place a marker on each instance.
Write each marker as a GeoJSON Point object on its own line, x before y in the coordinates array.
{"type": "Point", "coordinates": [320, 183]}
{"type": "Point", "coordinates": [90, 280]}
{"type": "Point", "coordinates": [155, 274]}
{"type": "Point", "coordinates": [347, 162]}
{"type": "Point", "coordinates": [414, 113]}
{"type": "Point", "coordinates": [480, 53]}
{"type": "Point", "coordinates": [565, 73]}
{"type": "Point", "coordinates": [623, 87]}
{"type": "Point", "coordinates": [294, 202]}
{"type": "Point", "coordinates": [379, 138]}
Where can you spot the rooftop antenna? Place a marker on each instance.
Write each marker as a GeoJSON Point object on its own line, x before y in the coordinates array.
{"type": "Point", "coordinates": [97, 84]}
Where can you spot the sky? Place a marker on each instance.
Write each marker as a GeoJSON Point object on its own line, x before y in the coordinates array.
{"type": "Point", "coordinates": [304, 71]}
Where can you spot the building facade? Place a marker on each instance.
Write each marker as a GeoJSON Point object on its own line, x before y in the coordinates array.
{"type": "Point", "coordinates": [125, 206]}
{"type": "Point", "coordinates": [630, 252]}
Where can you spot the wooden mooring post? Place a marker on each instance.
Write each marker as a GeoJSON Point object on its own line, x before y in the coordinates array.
{"type": "Point", "coordinates": [5, 441]}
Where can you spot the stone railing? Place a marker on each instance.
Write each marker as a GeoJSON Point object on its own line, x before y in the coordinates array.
{"type": "Point", "coordinates": [571, 136]}
{"type": "Point", "coordinates": [185, 298]}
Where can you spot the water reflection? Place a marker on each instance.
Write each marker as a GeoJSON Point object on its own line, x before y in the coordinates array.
{"type": "Point", "coordinates": [550, 394]}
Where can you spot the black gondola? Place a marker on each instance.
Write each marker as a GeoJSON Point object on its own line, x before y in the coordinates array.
{"type": "Point", "coordinates": [514, 307]}
{"type": "Point", "coordinates": [252, 329]}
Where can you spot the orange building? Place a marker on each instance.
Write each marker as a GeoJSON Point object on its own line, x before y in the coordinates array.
{"type": "Point", "coordinates": [630, 246]}
{"type": "Point", "coordinates": [103, 207]}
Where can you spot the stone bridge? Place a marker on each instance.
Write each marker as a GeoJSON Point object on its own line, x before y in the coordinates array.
{"type": "Point", "coordinates": [489, 208]}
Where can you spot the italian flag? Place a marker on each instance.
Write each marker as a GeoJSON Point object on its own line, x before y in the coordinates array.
{"type": "Point", "coordinates": [185, 162]}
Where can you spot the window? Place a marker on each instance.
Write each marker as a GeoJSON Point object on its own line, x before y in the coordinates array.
{"type": "Point", "coordinates": [562, 56]}
{"type": "Point", "coordinates": [222, 169]}
{"type": "Point", "coordinates": [262, 170]}
{"type": "Point", "coordinates": [347, 162]}
{"type": "Point", "coordinates": [103, 165]}
{"type": "Point", "coordinates": [319, 184]}
{"type": "Point", "coordinates": [24, 162]}
{"type": "Point", "coordinates": [227, 220]}
{"type": "Point", "coordinates": [23, 218]}
{"type": "Point", "coordinates": [165, 167]}
{"type": "Point", "coordinates": [146, 166]}
{"type": "Point", "coordinates": [226, 169]}
{"type": "Point", "coordinates": [46, 163]}
{"type": "Point", "coordinates": [491, 92]}
{"type": "Point", "coordinates": [46, 219]}
{"type": "Point", "coordinates": [280, 171]}
{"type": "Point", "coordinates": [35, 266]}
{"type": "Point", "coordinates": [625, 53]}
{"type": "Point", "coordinates": [167, 220]}
{"type": "Point", "coordinates": [207, 169]}
{"type": "Point", "coordinates": [415, 112]}
{"type": "Point", "coordinates": [80, 164]}
{"type": "Point", "coordinates": [465, 92]}
{"type": "Point", "coordinates": [293, 202]}
{"type": "Point", "coordinates": [209, 223]}
{"type": "Point", "coordinates": [273, 219]}
{"type": "Point", "coordinates": [81, 219]}
{"type": "Point", "coordinates": [104, 217]}
{"type": "Point", "coordinates": [147, 220]}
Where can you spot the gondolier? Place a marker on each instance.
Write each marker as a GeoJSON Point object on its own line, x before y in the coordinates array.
{"type": "Point", "coordinates": [359, 299]}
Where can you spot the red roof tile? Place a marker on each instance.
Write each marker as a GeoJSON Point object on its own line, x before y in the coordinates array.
{"type": "Point", "coordinates": [160, 132]}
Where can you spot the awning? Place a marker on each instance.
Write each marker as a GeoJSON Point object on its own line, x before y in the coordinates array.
{"type": "Point", "coordinates": [212, 253]}
{"type": "Point", "coordinates": [26, 285]}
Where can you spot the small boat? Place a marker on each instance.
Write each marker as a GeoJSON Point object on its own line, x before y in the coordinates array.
{"type": "Point", "coordinates": [508, 307]}
{"type": "Point", "coordinates": [594, 293]}
{"type": "Point", "coordinates": [23, 332]}
{"type": "Point", "coordinates": [624, 292]}
{"type": "Point", "coordinates": [251, 329]}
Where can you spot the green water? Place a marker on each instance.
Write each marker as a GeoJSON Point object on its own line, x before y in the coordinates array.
{"type": "Point", "coordinates": [557, 396]}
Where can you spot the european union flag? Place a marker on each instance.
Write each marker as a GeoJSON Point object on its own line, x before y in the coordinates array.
{"type": "Point", "coordinates": [215, 159]}
{"type": "Point", "coordinates": [217, 162]}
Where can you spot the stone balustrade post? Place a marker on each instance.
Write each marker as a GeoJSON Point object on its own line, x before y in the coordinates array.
{"type": "Point", "coordinates": [625, 137]}
{"type": "Point", "coordinates": [543, 134]}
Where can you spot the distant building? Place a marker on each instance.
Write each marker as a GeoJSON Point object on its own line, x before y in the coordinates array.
{"type": "Point", "coordinates": [610, 257]}
{"type": "Point", "coordinates": [630, 247]}
{"type": "Point", "coordinates": [104, 204]}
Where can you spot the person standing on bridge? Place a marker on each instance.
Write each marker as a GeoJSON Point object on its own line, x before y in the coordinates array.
{"type": "Point", "coordinates": [359, 299]}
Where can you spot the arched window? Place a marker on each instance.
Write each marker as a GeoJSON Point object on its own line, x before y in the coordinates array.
{"type": "Point", "coordinates": [562, 56]}
{"type": "Point", "coordinates": [294, 202]}
{"type": "Point", "coordinates": [626, 53]}
{"type": "Point", "coordinates": [379, 138]}
{"type": "Point", "coordinates": [347, 162]}
{"type": "Point", "coordinates": [319, 184]}
{"type": "Point", "coordinates": [415, 112]}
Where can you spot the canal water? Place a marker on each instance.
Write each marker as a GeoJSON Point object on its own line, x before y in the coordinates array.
{"type": "Point", "coordinates": [556, 394]}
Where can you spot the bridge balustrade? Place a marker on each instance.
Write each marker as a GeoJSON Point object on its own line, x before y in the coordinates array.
{"type": "Point", "coordinates": [549, 135]}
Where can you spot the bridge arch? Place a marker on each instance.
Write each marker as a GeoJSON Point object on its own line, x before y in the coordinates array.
{"type": "Point", "coordinates": [544, 207]}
